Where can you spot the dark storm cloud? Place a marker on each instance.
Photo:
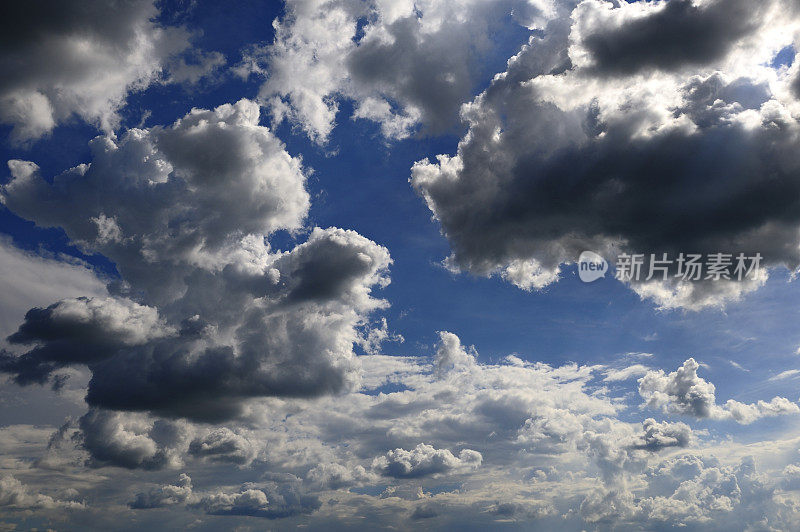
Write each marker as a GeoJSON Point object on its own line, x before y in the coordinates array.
{"type": "Point", "coordinates": [78, 331]}
{"type": "Point", "coordinates": [682, 33]}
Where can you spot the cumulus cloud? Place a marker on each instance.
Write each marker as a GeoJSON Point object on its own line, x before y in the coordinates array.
{"type": "Point", "coordinates": [658, 436]}
{"type": "Point", "coordinates": [223, 445]}
{"type": "Point", "coordinates": [80, 330]}
{"type": "Point", "coordinates": [598, 137]}
{"type": "Point", "coordinates": [60, 60]}
{"type": "Point", "coordinates": [162, 496]}
{"type": "Point", "coordinates": [271, 502]}
{"type": "Point", "coordinates": [404, 64]}
{"type": "Point", "coordinates": [518, 439]}
{"type": "Point", "coordinates": [425, 460]}
{"type": "Point", "coordinates": [15, 495]}
{"type": "Point", "coordinates": [451, 355]}
{"type": "Point", "coordinates": [206, 314]}
{"type": "Point", "coordinates": [131, 440]}
{"type": "Point", "coordinates": [689, 491]}
{"type": "Point", "coordinates": [683, 392]}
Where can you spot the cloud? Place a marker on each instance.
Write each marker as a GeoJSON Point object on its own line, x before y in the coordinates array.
{"type": "Point", "coordinates": [513, 441]}
{"type": "Point", "coordinates": [424, 460]}
{"type": "Point", "coordinates": [130, 440]}
{"type": "Point", "coordinates": [623, 374]}
{"type": "Point", "coordinates": [788, 374]}
{"type": "Point", "coordinates": [688, 491]}
{"type": "Point", "coordinates": [79, 330]}
{"type": "Point", "coordinates": [216, 317]}
{"type": "Point", "coordinates": [675, 34]}
{"type": "Point", "coordinates": [269, 502]}
{"type": "Point", "coordinates": [559, 145]}
{"type": "Point", "coordinates": [162, 496]}
{"type": "Point", "coordinates": [60, 61]}
{"type": "Point", "coordinates": [659, 436]}
{"type": "Point", "coordinates": [683, 392]}
{"type": "Point", "coordinates": [30, 279]}
{"type": "Point", "coordinates": [223, 445]}
{"type": "Point", "coordinates": [15, 495]}
{"type": "Point", "coordinates": [450, 355]}
{"type": "Point", "coordinates": [404, 64]}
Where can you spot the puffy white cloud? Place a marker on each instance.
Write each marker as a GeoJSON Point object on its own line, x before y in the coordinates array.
{"type": "Point", "coordinates": [61, 60]}
{"type": "Point", "coordinates": [404, 64]}
{"type": "Point", "coordinates": [425, 460]}
{"type": "Point", "coordinates": [683, 392]}
{"type": "Point", "coordinates": [451, 355]}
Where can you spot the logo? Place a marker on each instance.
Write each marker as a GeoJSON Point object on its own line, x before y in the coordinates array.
{"type": "Point", "coordinates": [591, 266]}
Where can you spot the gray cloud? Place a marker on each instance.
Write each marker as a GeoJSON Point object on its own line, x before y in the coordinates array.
{"type": "Point", "coordinates": [184, 212]}
{"type": "Point", "coordinates": [271, 502]}
{"type": "Point", "coordinates": [61, 60]}
{"type": "Point", "coordinates": [130, 441]}
{"type": "Point", "coordinates": [34, 280]}
{"type": "Point", "coordinates": [223, 445]}
{"type": "Point", "coordinates": [658, 436]}
{"type": "Point", "coordinates": [162, 496]}
{"type": "Point", "coordinates": [681, 33]}
{"type": "Point", "coordinates": [560, 159]}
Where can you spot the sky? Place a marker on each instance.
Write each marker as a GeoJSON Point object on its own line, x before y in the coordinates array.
{"type": "Point", "coordinates": [270, 265]}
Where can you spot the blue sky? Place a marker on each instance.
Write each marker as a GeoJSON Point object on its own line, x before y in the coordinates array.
{"type": "Point", "coordinates": [566, 140]}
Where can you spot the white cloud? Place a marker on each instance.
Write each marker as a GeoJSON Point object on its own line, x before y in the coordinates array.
{"type": "Point", "coordinates": [623, 374]}
{"type": "Point", "coordinates": [79, 61]}
{"type": "Point", "coordinates": [683, 392]}
{"type": "Point", "coordinates": [425, 460]}
{"type": "Point", "coordinates": [404, 64]}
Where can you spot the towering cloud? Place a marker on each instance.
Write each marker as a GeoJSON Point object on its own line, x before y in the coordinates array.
{"type": "Point", "coordinates": [206, 314]}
